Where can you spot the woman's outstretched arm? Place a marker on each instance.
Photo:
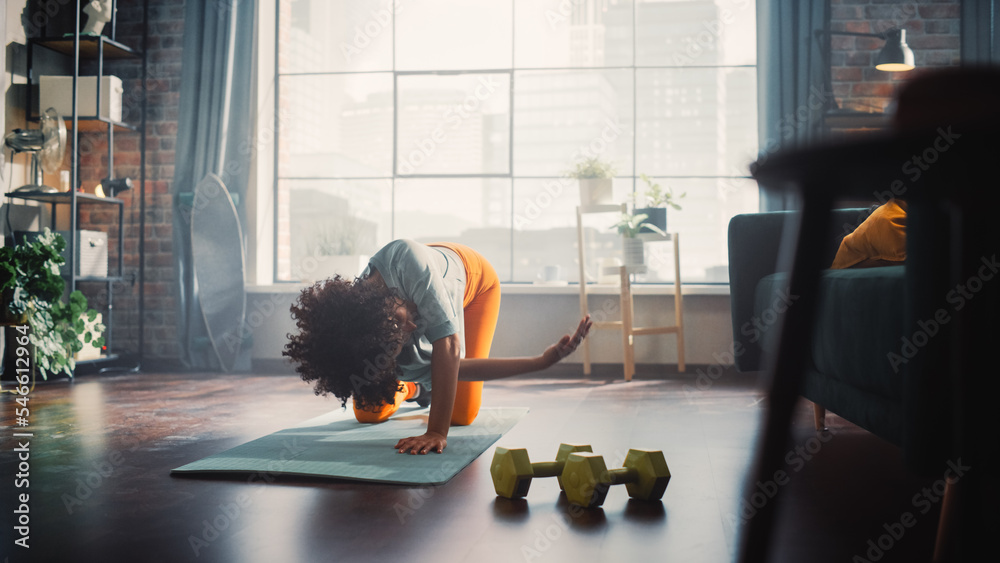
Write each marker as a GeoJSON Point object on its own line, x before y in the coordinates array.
{"type": "Point", "coordinates": [485, 369]}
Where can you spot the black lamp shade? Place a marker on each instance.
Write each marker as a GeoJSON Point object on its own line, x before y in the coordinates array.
{"type": "Point", "coordinates": [896, 55]}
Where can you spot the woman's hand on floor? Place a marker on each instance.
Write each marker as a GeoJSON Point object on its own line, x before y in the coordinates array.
{"type": "Point", "coordinates": [428, 442]}
{"type": "Point", "coordinates": [568, 344]}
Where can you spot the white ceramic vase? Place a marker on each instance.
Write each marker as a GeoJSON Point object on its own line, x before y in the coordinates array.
{"type": "Point", "coordinates": [595, 191]}
{"type": "Point", "coordinates": [632, 251]}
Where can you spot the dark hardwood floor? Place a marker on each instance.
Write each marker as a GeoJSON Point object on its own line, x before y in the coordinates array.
{"type": "Point", "coordinates": [102, 448]}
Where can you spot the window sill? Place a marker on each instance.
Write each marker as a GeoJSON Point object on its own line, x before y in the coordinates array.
{"type": "Point", "coordinates": [612, 289]}
{"type": "Point", "coordinates": [541, 289]}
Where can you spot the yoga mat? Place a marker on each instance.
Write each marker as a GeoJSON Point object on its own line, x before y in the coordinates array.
{"type": "Point", "coordinates": [335, 445]}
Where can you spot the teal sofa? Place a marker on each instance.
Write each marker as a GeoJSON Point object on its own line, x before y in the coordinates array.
{"type": "Point", "coordinates": [854, 368]}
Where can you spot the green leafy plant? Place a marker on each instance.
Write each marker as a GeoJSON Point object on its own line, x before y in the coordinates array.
{"type": "Point", "coordinates": [343, 237]}
{"type": "Point", "coordinates": [630, 225]}
{"type": "Point", "coordinates": [29, 273]}
{"type": "Point", "coordinates": [592, 167]}
{"type": "Point", "coordinates": [32, 289]}
{"type": "Point", "coordinates": [656, 196]}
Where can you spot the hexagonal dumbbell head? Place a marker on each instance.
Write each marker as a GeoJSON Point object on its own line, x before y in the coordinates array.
{"type": "Point", "coordinates": [587, 478]}
{"type": "Point", "coordinates": [562, 455]}
{"type": "Point", "coordinates": [652, 473]}
{"type": "Point", "coordinates": [513, 471]}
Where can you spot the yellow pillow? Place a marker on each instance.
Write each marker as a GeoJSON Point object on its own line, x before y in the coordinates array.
{"type": "Point", "coordinates": [879, 241]}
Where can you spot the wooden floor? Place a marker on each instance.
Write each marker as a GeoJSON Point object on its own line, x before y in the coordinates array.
{"type": "Point", "coordinates": [103, 446]}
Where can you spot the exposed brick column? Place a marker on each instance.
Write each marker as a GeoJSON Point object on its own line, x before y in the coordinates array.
{"type": "Point", "coordinates": [932, 31]}
{"type": "Point", "coordinates": [162, 89]}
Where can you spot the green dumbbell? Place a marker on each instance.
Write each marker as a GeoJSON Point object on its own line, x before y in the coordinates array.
{"type": "Point", "coordinates": [587, 479]}
{"type": "Point", "coordinates": [512, 470]}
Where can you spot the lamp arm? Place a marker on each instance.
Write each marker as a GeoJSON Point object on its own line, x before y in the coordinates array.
{"type": "Point", "coordinates": [821, 32]}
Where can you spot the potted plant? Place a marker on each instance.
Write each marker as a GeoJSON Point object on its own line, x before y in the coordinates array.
{"type": "Point", "coordinates": [595, 177]}
{"type": "Point", "coordinates": [32, 291]}
{"type": "Point", "coordinates": [657, 201]}
{"type": "Point", "coordinates": [336, 247]}
{"type": "Point", "coordinates": [629, 226]}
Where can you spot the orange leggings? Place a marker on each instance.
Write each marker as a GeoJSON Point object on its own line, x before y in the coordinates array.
{"type": "Point", "coordinates": [481, 306]}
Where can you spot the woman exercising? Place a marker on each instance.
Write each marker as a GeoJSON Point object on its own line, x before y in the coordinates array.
{"type": "Point", "coordinates": [420, 319]}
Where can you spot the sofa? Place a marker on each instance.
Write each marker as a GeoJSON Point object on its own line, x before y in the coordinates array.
{"type": "Point", "coordinates": [859, 331]}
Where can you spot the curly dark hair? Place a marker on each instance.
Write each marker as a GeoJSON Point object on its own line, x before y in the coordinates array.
{"type": "Point", "coordinates": [346, 337]}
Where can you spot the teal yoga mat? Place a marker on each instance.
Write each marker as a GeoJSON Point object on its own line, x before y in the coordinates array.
{"type": "Point", "coordinates": [336, 446]}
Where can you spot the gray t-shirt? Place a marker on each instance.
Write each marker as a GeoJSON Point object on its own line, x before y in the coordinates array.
{"type": "Point", "coordinates": [433, 278]}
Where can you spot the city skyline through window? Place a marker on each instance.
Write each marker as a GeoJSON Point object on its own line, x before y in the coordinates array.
{"type": "Point", "coordinates": [458, 120]}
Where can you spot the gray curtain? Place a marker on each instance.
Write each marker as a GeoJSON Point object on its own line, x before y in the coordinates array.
{"type": "Point", "coordinates": [792, 85]}
{"type": "Point", "coordinates": [980, 32]}
{"type": "Point", "coordinates": [214, 134]}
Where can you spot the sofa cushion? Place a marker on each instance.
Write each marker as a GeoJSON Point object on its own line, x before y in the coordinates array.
{"type": "Point", "coordinates": [880, 239]}
{"type": "Point", "coordinates": [858, 324]}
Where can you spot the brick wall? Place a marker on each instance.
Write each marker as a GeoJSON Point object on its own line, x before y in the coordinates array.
{"type": "Point", "coordinates": [932, 31]}
{"type": "Point", "coordinates": [166, 28]}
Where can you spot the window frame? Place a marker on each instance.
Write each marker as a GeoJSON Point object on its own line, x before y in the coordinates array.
{"type": "Point", "coordinates": [273, 178]}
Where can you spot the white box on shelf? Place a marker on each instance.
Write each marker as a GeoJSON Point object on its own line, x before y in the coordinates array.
{"type": "Point", "coordinates": [90, 253]}
{"type": "Point", "coordinates": [57, 92]}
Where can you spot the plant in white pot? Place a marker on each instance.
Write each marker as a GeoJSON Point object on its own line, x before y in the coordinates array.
{"type": "Point", "coordinates": [629, 227]}
{"type": "Point", "coordinates": [336, 249]}
{"type": "Point", "coordinates": [595, 177]}
{"type": "Point", "coordinates": [657, 201]}
{"type": "Point", "coordinates": [32, 290]}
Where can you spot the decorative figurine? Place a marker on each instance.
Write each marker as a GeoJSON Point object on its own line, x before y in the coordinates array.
{"type": "Point", "coordinates": [99, 12]}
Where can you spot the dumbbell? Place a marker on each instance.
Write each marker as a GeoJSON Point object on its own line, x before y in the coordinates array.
{"type": "Point", "coordinates": [512, 471]}
{"type": "Point", "coordinates": [587, 479]}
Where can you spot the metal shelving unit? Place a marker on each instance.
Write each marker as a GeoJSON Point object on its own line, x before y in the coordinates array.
{"type": "Point", "coordinates": [97, 48]}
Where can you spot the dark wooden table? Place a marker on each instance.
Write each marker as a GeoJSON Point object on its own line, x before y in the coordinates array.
{"type": "Point", "coordinates": [947, 175]}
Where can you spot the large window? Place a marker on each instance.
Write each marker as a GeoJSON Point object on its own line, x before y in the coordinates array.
{"type": "Point", "coordinates": [457, 120]}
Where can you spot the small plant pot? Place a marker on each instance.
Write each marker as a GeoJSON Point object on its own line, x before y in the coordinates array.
{"type": "Point", "coordinates": [348, 266]}
{"type": "Point", "coordinates": [654, 216]}
{"type": "Point", "coordinates": [632, 251]}
{"type": "Point", "coordinates": [6, 317]}
{"type": "Point", "coordinates": [595, 191]}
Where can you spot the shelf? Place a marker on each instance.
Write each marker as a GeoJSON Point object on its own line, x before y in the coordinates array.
{"type": "Point", "coordinates": [847, 119]}
{"type": "Point", "coordinates": [104, 279]}
{"type": "Point", "coordinates": [75, 49]}
{"type": "Point", "coordinates": [89, 45]}
{"type": "Point", "coordinates": [93, 124]}
{"type": "Point", "coordinates": [105, 363]}
{"type": "Point", "coordinates": [64, 198]}
{"type": "Point", "coordinates": [654, 237]}
{"type": "Point", "coordinates": [601, 208]}
{"type": "Point", "coordinates": [90, 124]}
